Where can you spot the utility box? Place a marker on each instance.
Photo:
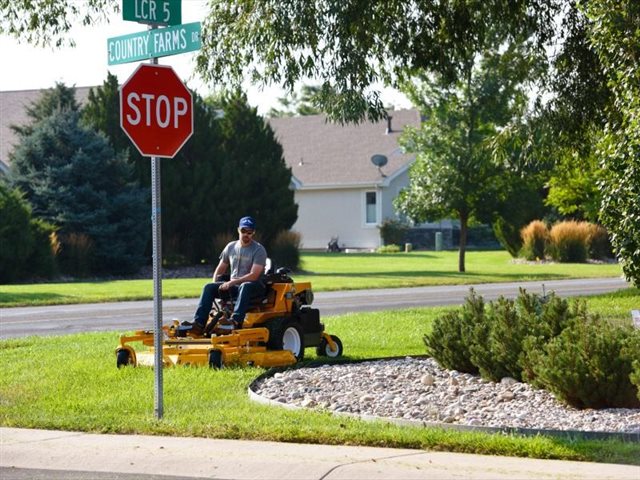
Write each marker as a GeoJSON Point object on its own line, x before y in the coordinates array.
{"type": "Point", "coordinates": [438, 241]}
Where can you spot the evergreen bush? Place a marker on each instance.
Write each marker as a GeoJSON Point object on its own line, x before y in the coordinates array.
{"type": "Point", "coordinates": [285, 250]}
{"type": "Point", "coordinates": [73, 179]}
{"type": "Point", "coordinates": [25, 247]}
{"type": "Point", "coordinates": [16, 238]}
{"type": "Point", "coordinates": [452, 335]}
{"type": "Point", "coordinates": [590, 364]}
{"type": "Point", "coordinates": [568, 242]}
{"type": "Point", "coordinates": [631, 349]}
{"type": "Point", "coordinates": [534, 240]}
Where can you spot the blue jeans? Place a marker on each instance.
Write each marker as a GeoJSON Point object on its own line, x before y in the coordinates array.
{"type": "Point", "coordinates": [245, 293]}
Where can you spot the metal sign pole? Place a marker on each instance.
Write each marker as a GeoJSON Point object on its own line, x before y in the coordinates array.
{"type": "Point", "coordinates": [156, 225]}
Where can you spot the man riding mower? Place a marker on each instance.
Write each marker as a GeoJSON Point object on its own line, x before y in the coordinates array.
{"type": "Point", "coordinates": [275, 332]}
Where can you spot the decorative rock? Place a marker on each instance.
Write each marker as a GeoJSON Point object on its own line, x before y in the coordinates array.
{"type": "Point", "coordinates": [427, 380]}
{"type": "Point", "coordinates": [508, 381]}
{"type": "Point", "coordinates": [396, 389]}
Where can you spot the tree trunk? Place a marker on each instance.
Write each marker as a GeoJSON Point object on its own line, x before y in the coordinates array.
{"type": "Point", "coordinates": [463, 241]}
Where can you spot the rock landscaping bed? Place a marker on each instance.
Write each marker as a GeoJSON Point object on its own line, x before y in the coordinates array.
{"type": "Point", "coordinates": [418, 389]}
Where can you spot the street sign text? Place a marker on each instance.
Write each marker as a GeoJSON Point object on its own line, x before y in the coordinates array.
{"type": "Point", "coordinates": [154, 12]}
{"type": "Point", "coordinates": [159, 42]}
{"type": "Point", "coordinates": [156, 110]}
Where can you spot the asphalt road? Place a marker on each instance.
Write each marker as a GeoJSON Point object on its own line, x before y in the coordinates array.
{"type": "Point", "coordinates": [65, 319]}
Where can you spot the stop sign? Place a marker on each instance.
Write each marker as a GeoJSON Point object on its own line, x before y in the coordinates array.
{"type": "Point", "coordinates": [156, 110]}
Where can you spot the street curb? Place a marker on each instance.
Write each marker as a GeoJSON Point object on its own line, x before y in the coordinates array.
{"type": "Point", "coordinates": [528, 432]}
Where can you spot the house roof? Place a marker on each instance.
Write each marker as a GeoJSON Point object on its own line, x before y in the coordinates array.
{"type": "Point", "coordinates": [325, 155]}
{"type": "Point", "coordinates": [13, 111]}
{"type": "Point", "coordinates": [321, 154]}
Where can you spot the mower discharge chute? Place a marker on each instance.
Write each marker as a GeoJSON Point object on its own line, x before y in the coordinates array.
{"type": "Point", "coordinates": [276, 330]}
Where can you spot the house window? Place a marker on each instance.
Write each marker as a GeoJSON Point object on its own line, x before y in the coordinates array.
{"type": "Point", "coordinates": [371, 207]}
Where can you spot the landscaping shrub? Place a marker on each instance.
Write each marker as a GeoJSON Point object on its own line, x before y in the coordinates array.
{"type": "Point", "coordinates": [589, 364]}
{"type": "Point", "coordinates": [452, 333]}
{"type": "Point", "coordinates": [25, 247]}
{"type": "Point", "coordinates": [632, 348]}
{"type": "Point", "coordinates": [393, 248]}
{"type": "Point", "coordinates": [285, 250]}
{"type": "Point", "coordinates": [393, 231]}
{"type": "Point", "coordinates": [498, 342]}
{"type": "Point", "coordinates": [42, 262]}
{"type": "Point", "coordinates": [583, 360]}
{"type": "Point", "coordinates": [568, 241]}
{"type": "Point", "coordinates": [599, 245]}
{"type": "Point", "coordinates": [75, 255]}
{"type": "Point", "coordinates": [534, 240]}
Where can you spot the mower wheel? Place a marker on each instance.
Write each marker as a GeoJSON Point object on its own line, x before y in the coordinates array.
{"type": "Point", "coordinates": [287, 336]}
{"type": "Point", "coordinates": [324, 350]}
{"type": "Point", "coordinates": [123, 358]}
{"type": "Point", "coordinates": [215, 359]}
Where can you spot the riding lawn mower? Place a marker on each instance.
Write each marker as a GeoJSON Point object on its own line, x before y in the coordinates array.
{"type": "Point", "coordinates": [276, 330]}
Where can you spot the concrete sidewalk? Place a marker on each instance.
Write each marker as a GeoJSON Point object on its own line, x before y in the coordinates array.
{"type": "Point", "coordinates": [35, 454]}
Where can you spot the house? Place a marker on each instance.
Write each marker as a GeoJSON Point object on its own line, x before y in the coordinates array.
{"type": "Point", "coordinates": [339, 190]}
{"type": "Point", "coordinates": [13, 111]}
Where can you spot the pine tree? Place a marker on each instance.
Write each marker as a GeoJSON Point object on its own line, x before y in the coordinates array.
{"type": "Point", "coordinates": [74, 180]}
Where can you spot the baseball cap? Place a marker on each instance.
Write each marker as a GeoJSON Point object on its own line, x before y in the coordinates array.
{"type": "Point", "coordinates": [247, 222]}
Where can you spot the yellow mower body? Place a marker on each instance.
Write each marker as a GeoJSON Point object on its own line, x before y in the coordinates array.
{"type": "Point", "coordinates": [275, 332]}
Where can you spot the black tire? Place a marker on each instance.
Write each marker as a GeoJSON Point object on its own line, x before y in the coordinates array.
{"type": "Point", "coordinates": [215, 359]}
{"type": "Point", "coordinates": [323, 349]}
{"type": "Point", "coordinates": [123, 358]}
{"type": "Point", "coordinates": [285, 335]}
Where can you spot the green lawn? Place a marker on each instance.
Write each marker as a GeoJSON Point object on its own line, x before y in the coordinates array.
{"type": "Point", "coordinates": [71, 383]}
{"type": "Point", "coordinates": [326, 272]}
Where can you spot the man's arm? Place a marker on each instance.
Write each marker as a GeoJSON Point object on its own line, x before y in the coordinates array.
{"type": "Point", "coordinates": [221, 269]}
{"type": "Point", "coordinates": [252, 276]}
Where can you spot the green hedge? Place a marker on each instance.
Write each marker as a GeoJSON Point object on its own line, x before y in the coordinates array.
{"type": "Point", "coordinates": [585, 361]}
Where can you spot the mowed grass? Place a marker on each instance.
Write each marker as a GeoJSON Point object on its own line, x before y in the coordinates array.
{"type": "Point", "coordinates": [72, 383]}
{"type": "Point", "coordinates": [326, 272]}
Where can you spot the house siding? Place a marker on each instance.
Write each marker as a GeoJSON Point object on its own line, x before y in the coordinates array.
{"type": "Point", "coordinates": [327, 213]}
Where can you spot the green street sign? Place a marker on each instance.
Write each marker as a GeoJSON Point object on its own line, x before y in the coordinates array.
{"type": "Point", "coordinates": [154, 12]}
{"type": "Point", "coordinates": [159, 42]}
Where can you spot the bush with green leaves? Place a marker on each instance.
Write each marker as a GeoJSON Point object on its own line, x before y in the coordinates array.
{"type": "Point", "coordinates": [25, 246]}
{"type": "Point", "coordinates": [545, 341]}
{"type": "Point", "coordinates": [497, 342]}
{"type": "Point", "coordinates": [73, 179]}
{"type": "Point", "coordinates": [285, 250]}
{"type": "Point", "coordinates": [452, 335]}
{"type": "Point", "coordinates": [590, 364]}
{"type": "Point", "coordinates": [393, 231]}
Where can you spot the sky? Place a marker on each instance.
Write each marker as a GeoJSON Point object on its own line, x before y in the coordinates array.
{"type": "Point", "coordinates": [26, 67]}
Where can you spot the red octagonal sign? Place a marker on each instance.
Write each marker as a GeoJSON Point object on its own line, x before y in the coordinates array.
{"type": "Point", "coordinates": [156, 110]}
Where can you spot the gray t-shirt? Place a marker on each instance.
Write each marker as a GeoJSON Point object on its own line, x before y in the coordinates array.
{"type": "Point", "coordinates": [241, 259]}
